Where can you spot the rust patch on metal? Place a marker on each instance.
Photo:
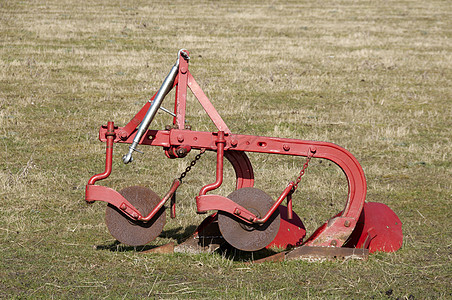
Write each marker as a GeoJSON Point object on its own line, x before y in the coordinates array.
{"type": "Point", "coordinates": [207, 238]}
{"type": "Point", "coordinates": [164, 249]}
{"type": "Point", "coordinates": [247, 237]}
{"type": "Point", "coordinates": [317, 254]}
{"type": "Point", "coordinates": [133, 232]}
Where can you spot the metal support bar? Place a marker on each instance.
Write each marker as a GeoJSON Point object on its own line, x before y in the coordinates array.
{"type": "Point", "coordinates": [275, 206]}
{"type": "Point", "coordinates": [110, 136]}
{"type": "Point", "coordinates": [220, 142]}
{"type": "Point", "coordinates": [176, 184]}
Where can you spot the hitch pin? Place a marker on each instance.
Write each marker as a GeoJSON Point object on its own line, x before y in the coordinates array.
{"type": "Point", "coordinates": [167, 111]}
{"type": "Point", "coordinates": [170, 112]}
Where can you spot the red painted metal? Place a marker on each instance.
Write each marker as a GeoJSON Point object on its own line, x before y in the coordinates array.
{"type": "Point", "coordinates": [334, 232]}
{"type": "Point", "coordinates": [290, 234]}
{"type": "Point", "coordinates": [220, 154]}
{"type": "Point", "coordinates": [102, 193]}
{"type": "Point", "coordinates": [216, 202]}
{"type": "Point", "coordinates": [242, 167]}
{"type": "Point", "coordinates": [181, 93]}
{"type": "Point", "coordinates": [378, 229]}
{"type": "Point", "coordinates": [134, 232]}
{"type": "Point", "coordinates": [249, 237]}
{"type": "Point", "coordinates": [275, 206]}
{"type": "Point", "coordinates": [124, 132]}
{"type": "Point", "coordinates": [289, 206]}
{"type": "Point", "coordinates": [247, 143]}
{"type": "Point", "coordinates": [207, 105]}
{"type": "Point", "coordinates": [109, 136]}
{"type": "Point", "coordinates": [291, 231]}
{"type": "Point", "coordinates": [205, 203]}
{"type": "Point", "coordinates": [174, 186]}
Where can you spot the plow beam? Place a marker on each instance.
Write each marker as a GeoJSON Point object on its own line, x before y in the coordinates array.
{"type": "Point", "coordinates": [336, 230]}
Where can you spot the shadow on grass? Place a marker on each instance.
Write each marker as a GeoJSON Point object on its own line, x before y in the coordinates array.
{"type": "Point", "coordinates": [180, 235]}
{"type": "Point", "coordinates": [116, 246]}
{"type": "Point", "coordinates": [231, 253]}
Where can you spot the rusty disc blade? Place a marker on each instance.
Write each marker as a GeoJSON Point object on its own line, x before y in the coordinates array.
{"type": "Point", "coordinates": [247, 237]}
{"type": "Point", "coordinates": [132, 232]}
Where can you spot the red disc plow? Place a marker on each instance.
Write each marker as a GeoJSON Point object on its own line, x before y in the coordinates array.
{"type": "Point", "coordinates": [248, 219]}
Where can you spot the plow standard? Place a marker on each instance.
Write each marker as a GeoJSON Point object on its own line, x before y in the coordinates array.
{"type": "Point", "coordinates": [248, 219]}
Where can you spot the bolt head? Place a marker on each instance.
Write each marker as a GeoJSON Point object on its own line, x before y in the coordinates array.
{"type": "Point", "coordinates": [181, 152]}
{"type": "Point", "coordinates": [122, 134]}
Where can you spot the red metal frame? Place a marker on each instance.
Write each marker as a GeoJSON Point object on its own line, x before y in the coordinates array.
{"type": "Point", "coordinates": [234, 147]}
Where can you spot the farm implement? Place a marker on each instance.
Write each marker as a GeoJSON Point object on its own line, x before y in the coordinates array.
{"type": "Point", "coordinates": [248, 219]}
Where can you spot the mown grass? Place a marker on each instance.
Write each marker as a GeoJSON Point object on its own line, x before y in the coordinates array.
{"type": "Point", "coordinates": [371, 76]}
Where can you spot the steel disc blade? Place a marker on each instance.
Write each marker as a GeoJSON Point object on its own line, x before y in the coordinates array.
{"type": "Point", "coordinates": [132, 232]}
{"type": "Point", "coordinates": [247, 237]}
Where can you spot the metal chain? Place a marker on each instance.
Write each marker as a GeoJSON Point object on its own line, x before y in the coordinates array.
{"type": "Point", "coordinates": [305, 166]}
{"type": "Point", "coordinates": [192, 164]}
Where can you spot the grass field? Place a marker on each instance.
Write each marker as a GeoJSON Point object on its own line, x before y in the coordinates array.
{"type": "Point", "coordinates": [372, 76]}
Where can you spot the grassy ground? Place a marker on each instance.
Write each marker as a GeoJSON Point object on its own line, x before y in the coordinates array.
{"type": "Point", "coordinates": [372, 76]}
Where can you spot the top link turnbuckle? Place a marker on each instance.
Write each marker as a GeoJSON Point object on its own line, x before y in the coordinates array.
{"type": "Point", "coordinates": [152, 111]}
